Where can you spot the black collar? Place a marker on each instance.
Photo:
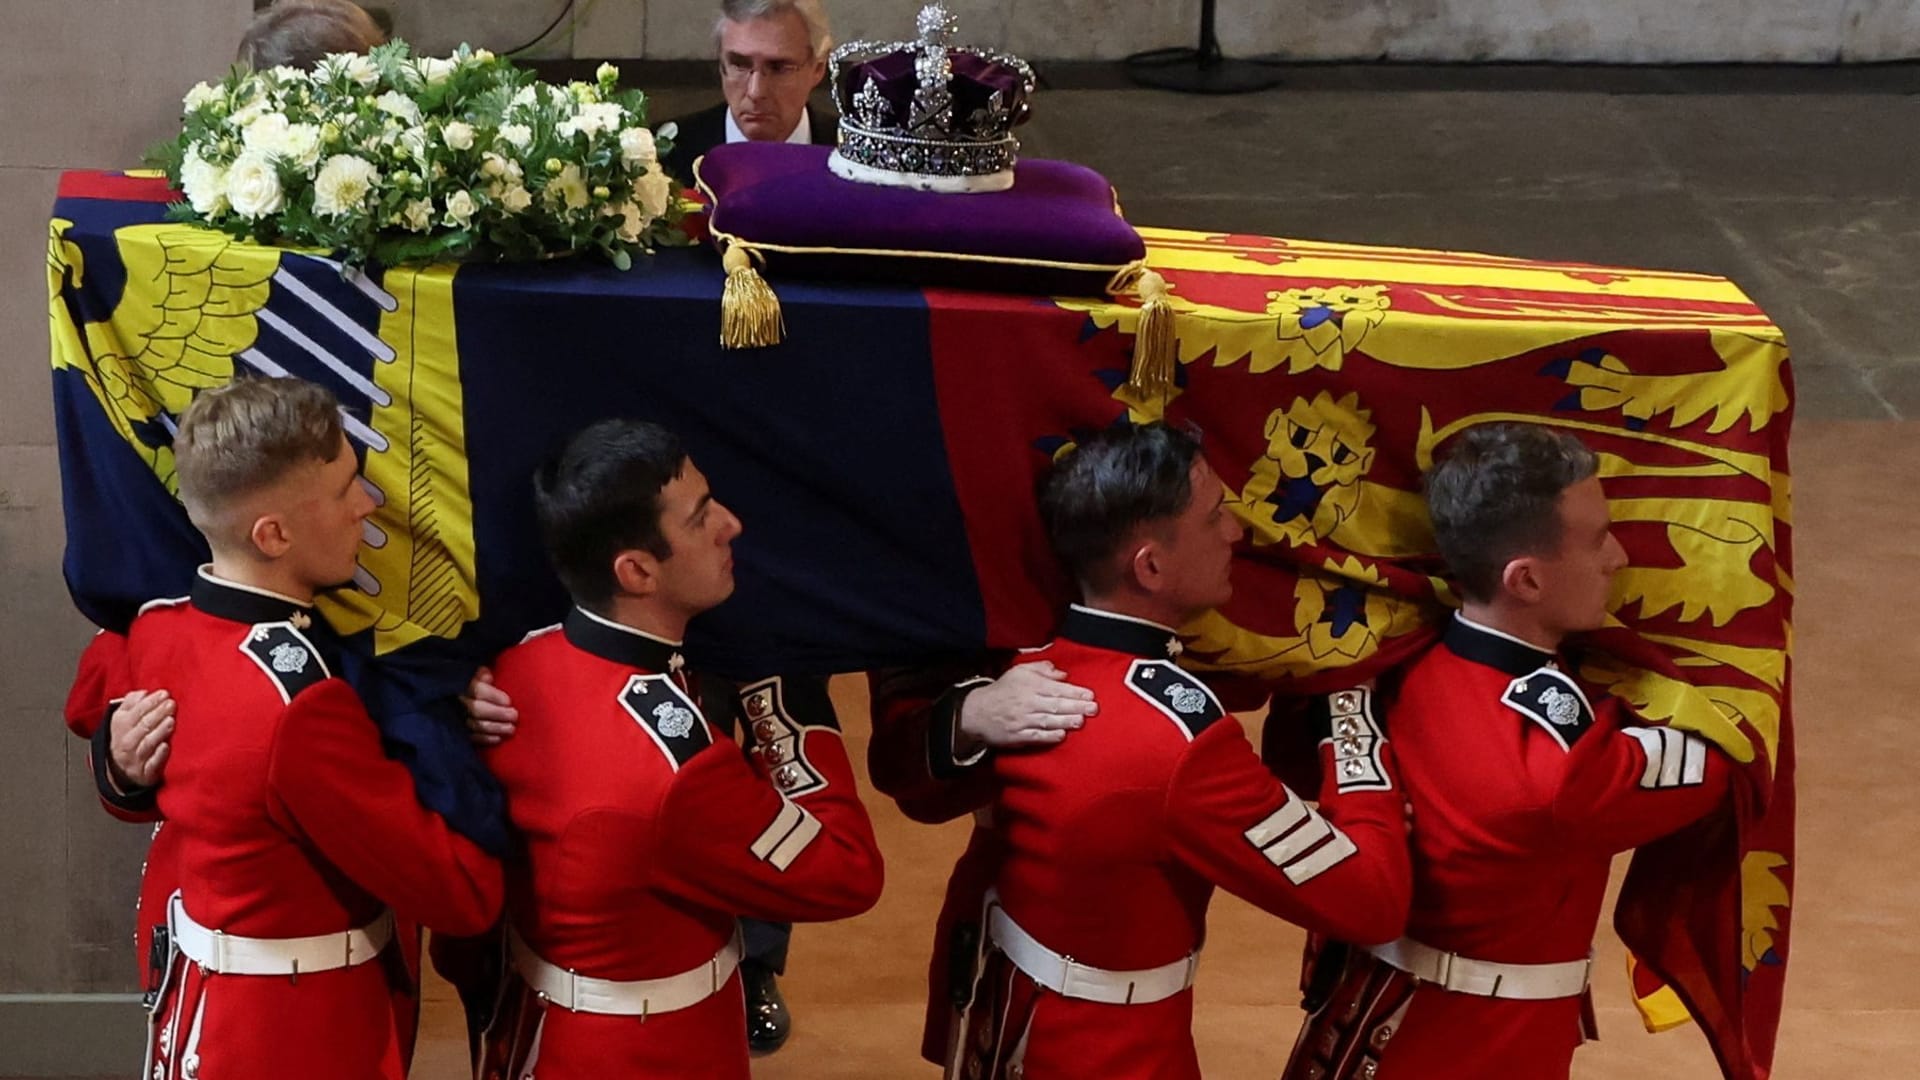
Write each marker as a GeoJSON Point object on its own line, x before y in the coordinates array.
{"type": "Point", "coordinates": [1120, 633]}
{"type": "Point", "coordinates": [1497, 651]}
{"type": "Point", "coordinates": [229, 600]}
{"type": "Point", "coordinates": [608, 640]}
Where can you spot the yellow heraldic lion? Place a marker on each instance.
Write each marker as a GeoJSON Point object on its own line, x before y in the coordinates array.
{"type": "Point", "coordinates": [190, 318]}
{"type": "Point", "coordinates": [1342, 612]}
{"type": "Point", "coordinates": [1310, 486]}
{"type": "Point", "coordinates": [1729, 394]}
{"type": "Point", "coordinates": [1762, 892]}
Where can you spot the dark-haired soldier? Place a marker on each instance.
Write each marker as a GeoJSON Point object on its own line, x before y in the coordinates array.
{"type": "Point", "coordinates": [1105, 848]}
{"type": "Point", "coordinates": [646, 833]}
{"type": "Point", "coordinates": [1522, 789]}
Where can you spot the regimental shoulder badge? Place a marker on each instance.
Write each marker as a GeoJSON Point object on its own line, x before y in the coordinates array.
{"type": "Point", "coordinates": [778, 738]}
{"type": "Point", "coordinates": [287, 657]}
{"type": "Point", "coordinates": [1550, 698]}
{"type": "Point", "coordinates": [1356, 736]}
{"type": "Point", "coordinates": [1179, 696]}
{"type": "Point", "coordinates": [668, 716]}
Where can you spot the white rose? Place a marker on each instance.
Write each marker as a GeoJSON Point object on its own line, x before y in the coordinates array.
{"type": "Point", "coordinates": [363, 70]}
{"type": "Point", "coordinates": [526, 95]}
{"type": "Point", "coordinates": [457, 135]}
{"type": "Point", "coordinates": [606, 73]}
{"type": "Point", "coordinates": [435, 70]}
{"type": "Point", "coordinates": [636, 146]}
{"type": "Point", "coordinates": [201, 96]}
{"type": "Point", "coordinates": [204, 183]}
{"type": "Point", "coordinates": [569, 187]}
{"type": "Point", "coordinates": [288, 74]}
{"type": "Point", "coordinates": [652, 191]}
{"type": "Point", "coordinates": [395, 103]}
{"type": "Point", "coordinates": [518, 136]}
{"type": "Point", "coordinates": [483, 56]}
{"type": "Point", "coordinates": [263, 132]}
{"type": "Point", "coordinates": [253, 186]}
{"type": "Point", "coordinates": [460, 208]}
{"type": "Point", "coordinates": [516, 199]}
{"type": "Point", "coordinates": [343, 185]}
{"type": "Point", "coordinates": [592, 119]}
{"type": "Point", "coordinates": [417, 215]}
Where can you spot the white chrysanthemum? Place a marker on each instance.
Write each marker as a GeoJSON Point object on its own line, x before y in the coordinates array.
{"type": "Point", "coordinates": [343, 185]}
{"type": "Point", "coordinates": [636, 146]}
{"type": "Point", "coordinates": [205, 184]}
{"type": "Point", "coordinates": [417, 215]}
{"type": "Point", "coordinates": [518, 136]}
{"type": "Point", "coordinates": [652, 192]}
{"type": "Point", "coordinates": [201, 96]}
{"type": "Point", "coordinates": [253, 186]}
{"type": "Point", "coordinates": [569, 187]}
{"type": "Point", "coordinates": [592, 119]}
{"type": "Point", "coordinates": [516, 199]}
{"type": "Point", "coordinates": [457, 135]}
{"type": "Point", "coordinates": [395, 103]}
{"type": "Point", "coordinates": [363, 70]}
{"type": "Point", "coordinates": [460, 208]}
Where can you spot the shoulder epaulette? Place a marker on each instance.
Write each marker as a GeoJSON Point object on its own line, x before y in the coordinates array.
{"type": "Point", "coordinates": [1550, 698]}
{"type": "Point", "coordinates": [286, 656]}
{"type": "Point", "coordinates": [668, 715]}
{"type": "Point", "coordinates": [1179, 696]}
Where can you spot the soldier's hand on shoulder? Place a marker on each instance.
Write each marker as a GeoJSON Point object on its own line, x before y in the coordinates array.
{"type": "Point", "coordinates": [141, 730]}
{"type": "Point", "coordinates": [491, 717]}
{"type": "Point", "coordinates": [1030, 705]}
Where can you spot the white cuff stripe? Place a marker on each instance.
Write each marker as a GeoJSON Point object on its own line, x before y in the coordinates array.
{"type": "Point", "coordinates": [1279, 823]}
{"type": "Point", "coordinates": [1674, 758]}
{"type": "Point", "coordinates": [783, 825]}
{"type": "Point", "coordinates": [1323, 858]}
{"type": "Point", "coordinates": [795, 842]}
{"type": "Point", "coordinates": [1288, 834]}
{"type": "Point", "coordinates": [1696, 768]}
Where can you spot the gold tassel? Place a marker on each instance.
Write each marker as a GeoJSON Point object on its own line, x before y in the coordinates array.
{"type": "Point", "coordinates": [749, 311]}
{"type": "Point", "coordinates": [1153, 340]}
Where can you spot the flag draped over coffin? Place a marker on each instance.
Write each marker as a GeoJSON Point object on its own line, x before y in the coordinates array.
{"type": "Point", "coordinates": [882, 460]}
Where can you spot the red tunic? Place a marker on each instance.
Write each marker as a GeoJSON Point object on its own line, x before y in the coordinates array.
{"type": "Point", "coordinates": [1110, 844]}
{"type": "Point", "coordinates": [287, 820]}
{"type": "Point", "coordinates": [1522, 794]}
{"type": "Point", "coordinates": [645, 835]}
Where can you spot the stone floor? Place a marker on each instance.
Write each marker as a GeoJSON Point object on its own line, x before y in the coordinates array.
{"type": "Point", "coordinates": [1800, 185]}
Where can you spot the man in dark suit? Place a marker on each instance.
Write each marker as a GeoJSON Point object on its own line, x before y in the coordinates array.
{"type": "Point", "coordinates": [773, 53]}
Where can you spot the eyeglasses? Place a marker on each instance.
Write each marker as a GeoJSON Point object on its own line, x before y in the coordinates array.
{"type": "Point", "coordinates": [740, 69]}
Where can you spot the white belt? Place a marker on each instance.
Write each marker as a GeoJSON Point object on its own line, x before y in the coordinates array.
{"type": "Point", "coordinates": [231, 954]}
{"type": "Point", "coordinates": [642, 997]}
{"type": "Point", "coordinates": [1484, 978]}
{"type": "Point", "coordinates": [1069, 978]}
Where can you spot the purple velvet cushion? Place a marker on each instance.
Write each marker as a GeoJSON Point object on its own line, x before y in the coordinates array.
{"type": "Point", "coordinates": [1055, 231]}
